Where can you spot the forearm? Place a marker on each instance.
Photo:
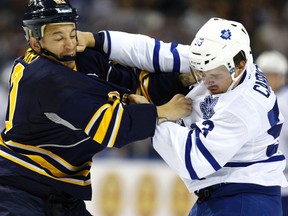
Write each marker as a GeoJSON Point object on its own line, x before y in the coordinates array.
{"type": "Point", "coordinates": [136, 50]}
{"type": "Point", "coordinates": [146, 53]}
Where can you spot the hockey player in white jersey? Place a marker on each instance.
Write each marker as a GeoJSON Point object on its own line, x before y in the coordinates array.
{"type": "Point", "coordinates": [228, 152]}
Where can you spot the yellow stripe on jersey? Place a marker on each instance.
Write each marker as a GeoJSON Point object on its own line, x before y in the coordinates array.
{"type": "Point", "coordinates": [41, 171]}
{"type": "Point", "coordinates": [50, 154]}
{"type": "Point", "coordinates": [54, 170]}
{"type": "Point", "coordinates": [144, 84]}
{"type": "Point", "coordinates": [95, 117]}
{"type": "Point", "coordinates": [44, 173]}
{"type": "Point", "coordinates": [105, 122]}
{"type": "Point", "coordinates": [116, 126]}
{"type": "Point", "coordinates": [2, 142]}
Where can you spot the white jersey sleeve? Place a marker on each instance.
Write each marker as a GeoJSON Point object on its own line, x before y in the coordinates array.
{"type": "Point", "coordinates": [146, 53]}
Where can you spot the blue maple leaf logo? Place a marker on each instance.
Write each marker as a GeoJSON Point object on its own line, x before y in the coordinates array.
{"type": "Point", "coordinates": [226, 34]}
{"type": "Point", "coordinates": [207, 106]}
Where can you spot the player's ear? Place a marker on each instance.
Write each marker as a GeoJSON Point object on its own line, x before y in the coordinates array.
{"type": "Point", "coordinates": [34, 44]}
{"type": "Point", "coordinates": [240, 67]}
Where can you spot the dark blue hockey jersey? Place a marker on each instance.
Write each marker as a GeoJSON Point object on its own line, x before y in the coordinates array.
{"type": "Point", "coordinates": [58, 118]}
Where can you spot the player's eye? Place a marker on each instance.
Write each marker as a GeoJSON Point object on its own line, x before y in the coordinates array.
{"type": "Point", "coordinates": [58, 38]}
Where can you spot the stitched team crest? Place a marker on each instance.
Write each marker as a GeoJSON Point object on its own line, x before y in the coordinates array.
{"type": "Point", "coordinates": [207, 106]}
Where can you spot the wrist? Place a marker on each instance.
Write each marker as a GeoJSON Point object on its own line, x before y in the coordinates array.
{"type": "Point", "coordinates": [90, 39]}
{"type": "Point", "coordinates": [162, 114]}
{"type": "Point", "coordinates": [162, 119]}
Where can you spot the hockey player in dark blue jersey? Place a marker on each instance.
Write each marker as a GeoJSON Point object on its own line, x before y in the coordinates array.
{"type": "Point", "coordinates": [62, 111]}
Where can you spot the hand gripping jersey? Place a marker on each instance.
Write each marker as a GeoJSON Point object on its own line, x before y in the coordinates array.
{"type": "Point", "coordinates": [58, 118]}
{"type": "Point", "coordinates": [230, 137]}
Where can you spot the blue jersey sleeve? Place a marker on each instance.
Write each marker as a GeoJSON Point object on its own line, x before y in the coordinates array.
{"type": "Point", "coordinates": [158, 88]}
{"type": "Point", "coordinates": [95, 106]}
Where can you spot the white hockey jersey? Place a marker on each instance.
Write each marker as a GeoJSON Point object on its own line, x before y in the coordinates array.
{"type": "Point", "coordinates": [230, 137]}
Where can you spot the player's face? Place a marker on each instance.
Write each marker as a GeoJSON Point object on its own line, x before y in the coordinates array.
{"type": "Point", "coordinates": [61, 40]}
{"type": "Point", "coordinates": [217, 80]}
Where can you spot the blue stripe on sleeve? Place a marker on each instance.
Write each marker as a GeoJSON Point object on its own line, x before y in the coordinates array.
{"type": "Point", "coordinates": [188, 162]}
{"type": "Point", "coordinates": [245, 164]}
{"type": "Point", "coordinates": [273, 114]}
{"type": "Point", "coordinates": [176, 57]}
{"type": "Point", "coordinates": [205, 152]}
{"type": "Point", "coordinates": [109, 42]}
{"type": "Point", "coordinates": [156, 63]}
{"type": "Point", "coordinates": [275, 131]}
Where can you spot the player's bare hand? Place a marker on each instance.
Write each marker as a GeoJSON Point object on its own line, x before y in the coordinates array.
{"type": "Point", "coordinates": [137, 99]}
{"type": "Point", "coordinates": [85, 39]}
{"type": "Point", "coordinates": [177, 108]}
